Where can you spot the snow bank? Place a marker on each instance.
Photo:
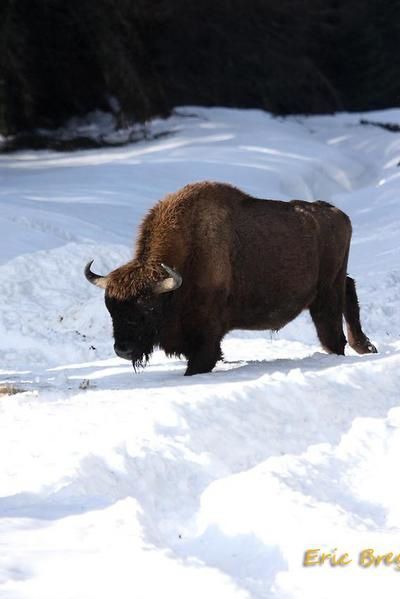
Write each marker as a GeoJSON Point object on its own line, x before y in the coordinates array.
{"type": "Point", "coordinates": [153, 485]}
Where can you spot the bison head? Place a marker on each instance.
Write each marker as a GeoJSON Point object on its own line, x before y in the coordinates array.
{"type": "Point", "coordinates": [133, 299]}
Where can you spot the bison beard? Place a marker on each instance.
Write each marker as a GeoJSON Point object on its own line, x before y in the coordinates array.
{"type": "Point", "coordinates": [236, 262]}
{"type": "Point", "coordinates": [141, 362]}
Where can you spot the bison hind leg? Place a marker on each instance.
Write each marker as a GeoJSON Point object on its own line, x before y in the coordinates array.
{"type": "Point", "coordinates": [357, 338]}
{"type": "Point", "coordinates": [327, 314]}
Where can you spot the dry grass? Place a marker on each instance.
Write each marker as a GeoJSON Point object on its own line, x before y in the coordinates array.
{"type": "Point", "coordinates": [9, 389]}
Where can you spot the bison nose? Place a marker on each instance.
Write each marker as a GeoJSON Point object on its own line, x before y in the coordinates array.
{"type": "Point", "coordinates": [123, 351]}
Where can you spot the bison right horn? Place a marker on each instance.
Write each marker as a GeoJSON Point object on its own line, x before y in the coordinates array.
{"type": "Point", "coordinates": [174, 281]}
{"type": "Point", "coordinates": [91, 276]}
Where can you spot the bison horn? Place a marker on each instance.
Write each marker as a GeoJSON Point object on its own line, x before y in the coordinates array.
{"type": "Point", "coordinates": [174, 281]}
{"type": "Point", "coordinates": [97, 280]}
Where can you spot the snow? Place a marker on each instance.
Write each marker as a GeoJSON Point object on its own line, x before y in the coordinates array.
{"type": "Point", "coordinates": [154, 485]}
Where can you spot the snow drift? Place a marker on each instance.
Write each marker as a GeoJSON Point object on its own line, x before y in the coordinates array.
{"type": "Point", "coordinates": [152, 485]}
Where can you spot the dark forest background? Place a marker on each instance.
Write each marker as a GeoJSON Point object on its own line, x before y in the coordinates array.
{"type": "Point", "coordinates": [61, 58]}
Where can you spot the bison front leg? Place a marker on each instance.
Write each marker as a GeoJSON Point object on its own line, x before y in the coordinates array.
{"type": "Point", "coordinates": [202, 352]}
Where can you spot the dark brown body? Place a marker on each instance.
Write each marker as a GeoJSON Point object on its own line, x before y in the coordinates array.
{"type": "Point", "coordinates": [245, 264]}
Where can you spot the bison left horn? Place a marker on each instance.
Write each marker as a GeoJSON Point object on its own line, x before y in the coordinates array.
{"type": "Point", "coordinates": [174, 281]}
{"type": "Point", "coordinates": [91, 276]}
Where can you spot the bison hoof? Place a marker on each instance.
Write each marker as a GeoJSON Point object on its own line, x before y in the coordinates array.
{"type": "Point", "coordinates": [371, 348]}
{"type": "Point", "coordinates": [365, 348]}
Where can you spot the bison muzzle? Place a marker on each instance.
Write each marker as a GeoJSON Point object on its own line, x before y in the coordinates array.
{"type": "Point", "coordinates": [210, 259]}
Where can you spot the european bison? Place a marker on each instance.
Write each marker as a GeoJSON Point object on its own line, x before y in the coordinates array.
{"type": "Point", "coordinates": [210, 258]}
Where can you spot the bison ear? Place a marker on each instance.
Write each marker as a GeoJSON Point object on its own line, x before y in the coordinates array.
{"type": "Point", "coordinates": [91, 276]}
{"type": "Point", "coordinates": [174, 281]}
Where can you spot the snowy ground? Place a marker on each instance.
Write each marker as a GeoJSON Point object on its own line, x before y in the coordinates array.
{"type": "Point", "coordinates": [156, 486]}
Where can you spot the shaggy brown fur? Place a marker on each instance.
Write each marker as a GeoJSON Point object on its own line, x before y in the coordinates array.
{"type": "Point", "coordinates": [246, 264]}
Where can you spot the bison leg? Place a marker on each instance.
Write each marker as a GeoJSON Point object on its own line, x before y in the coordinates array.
{"type": "Point", "coordinates": [327, 314]}
{"type": "Point", "coordinates": [202, 354]}
{"type": "Point", "coordinates": [356, 336]}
